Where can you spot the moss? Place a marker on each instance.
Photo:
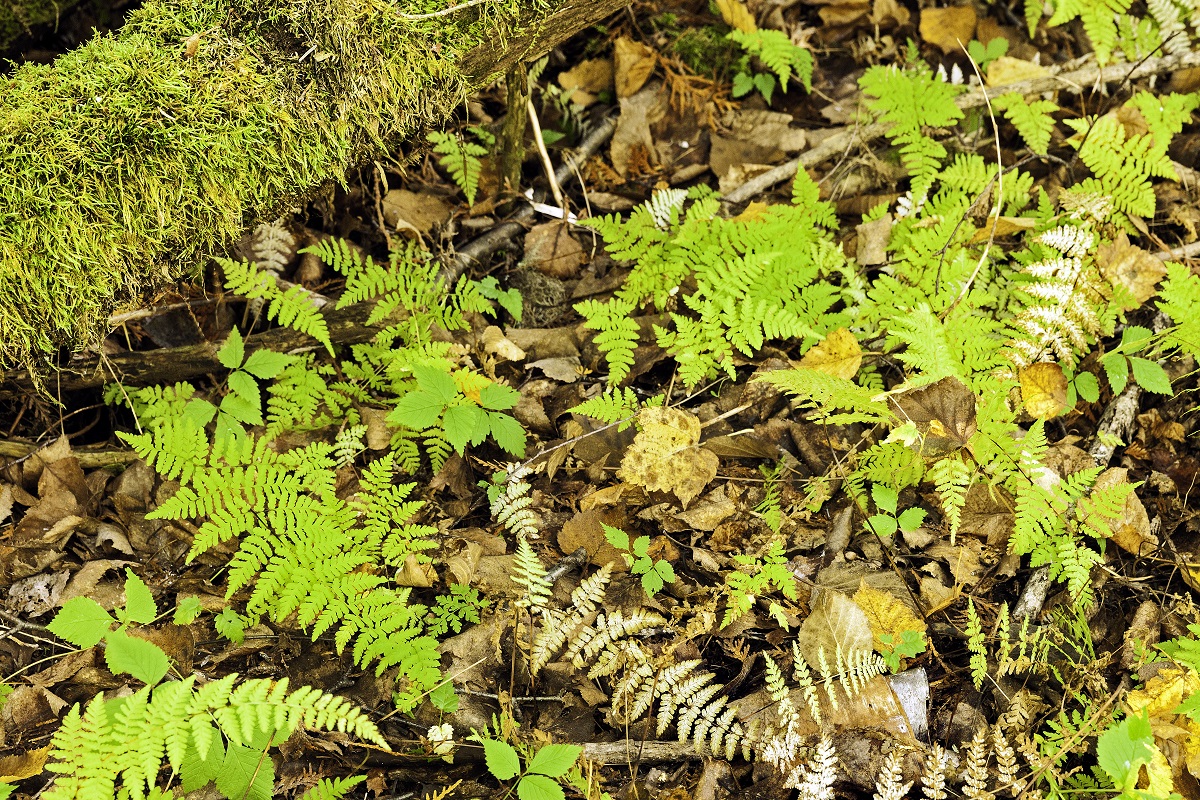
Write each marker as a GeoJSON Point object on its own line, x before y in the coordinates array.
{"type": "Point", "coordinates": [706, 51]}
{"type": "Point", "coordinates": [125, 161]}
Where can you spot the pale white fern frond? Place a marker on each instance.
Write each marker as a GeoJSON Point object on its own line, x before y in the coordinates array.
{"type": "Point", "coordinates": [1007, 765]}
{"type": "Point", "coordinates": [818, 775]}
{"type": "Point", "coordinates": [975, 775]}
{"type": "Point", "coordinates": [558, 628]}
{"type": "Point", "coordinates": [510, 508]}
{"type": "Point", "coordinates": [663, 203]}
{"type": "Point", "coordinates": [933, 782]}
{"type": "Point", "coordinates": [889, 785]}
{"type": "Point", "coordinates": [1070, 240]}
{"type": "Point", "coordinates": [272, 246]}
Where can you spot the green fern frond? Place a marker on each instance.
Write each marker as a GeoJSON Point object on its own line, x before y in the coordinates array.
{"type": "Point", "coordinates": [952, 478]}
{"type": "Point", "coordinates": [1031, 119]}
{"type": "Point", "coordinates": [461, 159]}
{"type": "Point", "coordinates": [1180, 300]}
{"type": "Point", "coordinates": [292, 308]}
{"type": "Point", "coordinates": [778, 53]}
{"type": "Point", "coordinates": [530, 575]}
{"type": "Point", "coordinates": [613, 406]}
{"type": "Point", "coordinates": [617, 334]}
{"type": "Point", "coordinates": [1099, 19]}
{"type": "Point", "coordinates": [826, 393]}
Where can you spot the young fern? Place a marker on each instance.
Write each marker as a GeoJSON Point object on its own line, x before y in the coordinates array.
{"type": "Point", "coordinates": [461, 158]}
{"type": "Point", "coordinates": [292, 308]}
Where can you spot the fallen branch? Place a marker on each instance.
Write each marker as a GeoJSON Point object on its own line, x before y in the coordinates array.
{"type": "Point", "coordinates": [1077, 82]}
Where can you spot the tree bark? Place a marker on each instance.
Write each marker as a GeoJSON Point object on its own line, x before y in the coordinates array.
{"type": "Point", "coordinates": [132, 158]}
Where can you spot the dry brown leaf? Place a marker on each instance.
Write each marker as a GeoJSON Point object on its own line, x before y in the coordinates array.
{"type": "Point", "coordinates": [552, 250]}
{"type": "Point", "coordinates": [665, 456]}
{"type": "Point", "coordinates": [872, 241]}
{"type": "Point", "coordinates": [1131, 531]}
{"type": "Point", "coordinates": [588, 78]}
{"type": "Point", "coordinates": [1044, 390]}
{"type": "Point", "coordinates": [965, 560]}
{"type": "Point", "coordinates": [736, 15]}
{"type": "Point", "coordinates": [886, 614]}
{"type": "Point", "coordinates": [989, 514]}
{"type": "Point", "coordinates": [838, 354]}
{"type": "Point", "coordinates": [633, 63]}
{"type": "Point", "coordinates": [935, 595]}
{"type": "Point", "coordinates": [885, 11]}
{"type": "Point", "coordinates": [944, 413]}
{"type": "Point", "coordinates": [414, 213]}
{"type": "Point", "coordinates": [1004, 226]}
{"type": "Point", "coordinates": [495, 343]}
{"type": "Point", "coordinates": [633, 136]}
{"type": "Point", "coordinates": [835, 624]}
{"type": "Point", "coordinates": [1131, 267]}
{"type": "Point", "coordinates": [948, 28]}
{"type": "Point", "coordinates": [1006, 69]}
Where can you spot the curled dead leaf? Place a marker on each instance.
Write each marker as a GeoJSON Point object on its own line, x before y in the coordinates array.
{"type": "Point", "coordinates": [1132, 268]}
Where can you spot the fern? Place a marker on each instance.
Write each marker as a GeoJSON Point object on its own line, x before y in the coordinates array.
{"type": "Point", "coordinates": [215, 732]}
{"type": "Point", "coordinates": [827, 393]}
{"type": "Point", "coordinates": [1031, 119]}
{"type": "Point", "coordinates": [292, 308]}
{"type": "Point", "coordinates": [1180, 294]}
{"type": "Point", "coordinates": [951, 477]}
{"type": "Point", "coordinates": [1099, 19]}
{"type": "Point", "coordinates": [756, 279]}
{"type": "Point", "coordinates": [461, 158]}
{"type": "Point", "coordinates": [778, 53]}
{"type": "Point", "coordinates": [611, 407]}
{"type": "Point", "coordinates": [909, 101]}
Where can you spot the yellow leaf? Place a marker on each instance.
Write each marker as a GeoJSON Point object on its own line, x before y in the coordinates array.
{"type": "Point", "coordinates": [838, 354]}
{"type": "Point", "coordinates": [736, 15]}
{"type": "Point", "coordinates": [1131, 267]}
{"type": "Point", "coordinates": [665, 456]}
{"type": "Point", "coordinates": [948, 28]}
{"type": "Point", "coordinates": [1044, 390]}
{"type": "Point", "coordinates": [886, 614]}
{"type": "Point", "coordinates": [26, 765]}
{"type": "Point", "coordinates": [1006, 69]}
{"type": "Point", "coordinates": [1005, 226]}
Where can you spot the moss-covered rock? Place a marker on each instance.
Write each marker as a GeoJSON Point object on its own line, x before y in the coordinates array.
{"type": "Point", "coordinates": [129, 159]}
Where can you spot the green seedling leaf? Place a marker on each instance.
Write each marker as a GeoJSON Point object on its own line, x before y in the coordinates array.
{"type": "Point", "coordinates": [508, 433]}
{"type": "Point", "coordinates": [233, 351]}
{"type": "Point", "coordinates": [417, 410]}
{"type": "Point", "coordinates": [82, 622]}
{"type": "Point", "coordinates": [463, 424]}
{"type": "Point", "coordinates": [1150, 376]}
{"type": "Point", "coordinates": [743, 84]}
{"type": "Point", "coordinates": [244, 386]}
{"type": "Point", "coordinates": [883, 525]}
{"type": "Point", "coordinates": [501, 759]}
{"type": "Point", "coordinates": [142, 659]}
{"type": "Point", "coordinates": [436, 382]}
{"type": "Point", "coordinates": [187, 611]}
{"type": "Point", "coordinates": [1087, 386]}
{"type": "Point", "coordinates": [498, 397]}
{"type": "Point", "coordinates": [230, 625]}
{"type": "Point", "coordinates": [265, 364]}
{"type": "Point", "coordinates": [139, 602]}
{"type": "Point", "coordinates": [885, 497]}
{"type": "Point", "coordinates": [539, 787]}
{"type": "Point", "coordinates": [910, 519]}
{"type": "Point", "coordinates": [554, 760]}
{"type": "Point", "coordinates": [1123, 749]}
{"type": "Point", "coordinates": [444, 698]}
{"type": "Point", "coordinates": [247, 773]}
{"type": "Point", "coordinates": [200, 411]}
{"type": "Point", "coordinates": [1116, 367]}
{"type": "Point", "coordinates": [765, 83]}
{"type": "Point", "coordinates": [616, 537]}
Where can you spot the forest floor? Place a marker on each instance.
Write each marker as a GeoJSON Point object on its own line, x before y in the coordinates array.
{"type": "Point", "coordinates": [743, 546]}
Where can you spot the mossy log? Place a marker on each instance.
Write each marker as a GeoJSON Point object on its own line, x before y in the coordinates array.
{"type": "Point", "coordinates": [129, 160]}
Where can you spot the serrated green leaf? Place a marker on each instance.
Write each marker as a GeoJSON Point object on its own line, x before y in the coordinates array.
{"type": "Point", "coordinates": [462, 424]}
{"type": "Point", "coordinates": [1116, 367]}
{"type": "Point", "coordinates": [765, 83]}
{"type": "Point", "coordinates": [81, 621]}
{"type": "Point", "coordinates": [200, 411]}
{"type": "Point", "coordinates": [1124, 748]}
{"type": "Point", "coordinates": [243, 385]}
{"type": "Point", "coordinates": [266, 364]}
{"type": "Point", "coordinates": [241, 409]}
{"type": "Point", "coordinates": [418, 410]}
{"type": "Point", "coordinates": [554, 760]}
{"type": "Point", "coordinates": [444, 698]}
{"type": "Point", "coordinates": [246, 773]}
{"type": "Point", "coordinates": [498, 397]}
{"type": "Point", "coordinates": [911, 518]}
{"type": "Point", "coordinates": [436, 382]}
{"type": "Point", "coordinates": [743, 84]}
{"type": "Point", "coordinates": [539, 787]}
{"type": "Point", "coordinates": [1087, 386]}
{"type": "Point", "coordinates": [508, 433]}
{"type": "Point", "coordinates": [501, 759]}
{"type": "Point", "coordinates": [233, 351]}
{"type": "Point", "coordinates": [665, 571]}
{"type": "Point", "coordinates": [885, 497]}
{"type": "Point", "coordinates": [615, 536]}
{"type": "Point", "coordinates": [139, 602]}
{"type": "Point", "coordinates": [142, 659]}
{"type": "Point", "coordinates": [187, 610]}
{"type": "Point", "coordinates": [1150, 376]}
{"type": "Point", "coordinates": [202, 764]}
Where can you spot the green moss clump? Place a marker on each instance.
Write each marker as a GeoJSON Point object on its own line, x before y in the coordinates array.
{"type": "Point", "coordinates": [706, 51]}
{"type": "Point", "coordinates": [128, 159]}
